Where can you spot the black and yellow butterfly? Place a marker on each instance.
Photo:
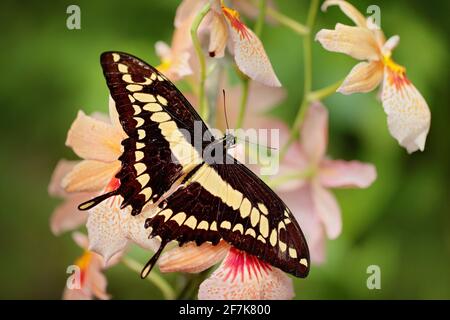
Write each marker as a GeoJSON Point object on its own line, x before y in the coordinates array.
{"type": "Point", "coordinates": [213, 201]}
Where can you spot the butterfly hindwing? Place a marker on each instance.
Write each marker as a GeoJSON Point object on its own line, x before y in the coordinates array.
{"type": "Point", "coordinates": [229, 202]}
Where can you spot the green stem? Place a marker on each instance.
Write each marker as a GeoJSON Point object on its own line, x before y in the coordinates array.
{"type": "Point", "coordinates": [287, 22]}
{"type": "Point", "coordinates": [307, 56]}
{"type": "Point", "coordinates": [203, 106]}
{"type": "Point", "coordinates": [153, 277]}
{"type": "Point", "coordinates": [244, 99]}
{"type": "Point", "coordinates": [323, 93]}
{"type": "Point", "coordinates": [261, 18]}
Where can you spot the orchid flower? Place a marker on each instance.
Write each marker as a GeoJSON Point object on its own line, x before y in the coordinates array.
{"type": "Point", "coordinates": [90, 282]}
{"type": "Point", "coordinates": [407, 111]}
{"type": "Point", "coordinates": [240, 276]}
{"type": "Point", "coordinates": [311, 174]}
{"type": "Point", "coordinates": [226, 29]}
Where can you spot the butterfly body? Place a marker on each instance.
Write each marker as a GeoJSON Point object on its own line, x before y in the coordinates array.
{"type": "Point", "coordinates": [171, 160]}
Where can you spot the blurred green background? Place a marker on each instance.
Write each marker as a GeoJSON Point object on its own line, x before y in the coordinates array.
{"type": "Point", "coordinates": [402, 223]}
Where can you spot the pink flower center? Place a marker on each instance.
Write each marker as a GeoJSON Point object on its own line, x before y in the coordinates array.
{"type": "Point", "coordinates": [239, 264]}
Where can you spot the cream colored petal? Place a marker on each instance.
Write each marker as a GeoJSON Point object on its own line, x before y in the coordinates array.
{"type": "Point", "coordinates": [192, 258]}
{"type": "Point", "coordinates": [249, 53]}
{"type": "Point", "coordinates": [93, 139]}
{"type": "Point", "coordinates": [62, 169]}
{"type": "Point", "coordinates": [111, 228]}
{"type": "Point", "coordinates": [244, 277]}
{"type": "Point", "coordinates": [390, 45]}
{"type": "Point", "coordinates": [364, 77]}
{"type": "Point", "coordinates": [357, 42]}
{"type": "Point", "coordinates": [80, 239]}
{"type": "Point", "coordinates": [218, 36]}
{"type": "Point", "coordinates": [66, 216]}
{"type": "Point", "coordinates": [90, 176]}
{"type": "Point", "coordinates": [407, 111]}
{"type": "Point", "coordinates": [348, 9]}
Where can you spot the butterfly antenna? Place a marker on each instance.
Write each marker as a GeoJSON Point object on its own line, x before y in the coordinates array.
{"type": "Point", "coordinates": [95, 201]}
{"type": "Point", "coordinates": [225, 109]}
{"type": "Point", "coordinates": [257, 144]}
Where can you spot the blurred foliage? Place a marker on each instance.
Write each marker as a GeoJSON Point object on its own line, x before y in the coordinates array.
{"type": "Point", "coordinates": [401, 223]}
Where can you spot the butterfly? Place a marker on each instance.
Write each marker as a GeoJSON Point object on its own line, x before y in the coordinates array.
{"type": "Point", "coordinates": [198, 198]}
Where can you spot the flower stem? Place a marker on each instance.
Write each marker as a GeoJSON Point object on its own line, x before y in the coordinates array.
{"type": "Point", "coordinates": [323, 93]}
{"type": "Point", "coordinates": [307, 56]}
{"type": "Point", "coordinates": [153, 277]}
{"type": "Point", "coordinates": [244, 98]}
{"type": "Point", "coordinates": [287, 22]}
{"type": "Point", "coordinates": [203, 105]}
{"type": "Point", "coordinates": [261, 18]}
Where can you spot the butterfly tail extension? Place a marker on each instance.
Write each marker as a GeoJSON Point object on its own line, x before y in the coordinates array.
{"type": "Point", "coordinates": [152, 261]}
{"type": "Point", "coordinates": [97, 200]}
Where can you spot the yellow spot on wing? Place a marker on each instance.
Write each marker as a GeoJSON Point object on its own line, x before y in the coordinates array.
{"type": "Point", "coordinates": [140, 168]}
{"type": "Point", "coordinates": [160, 117]}
{"type": "Point", "coordinates": [293, 253]}
{"type": "Point", "coordinates": [147, 192]}
{"type": "Point", "coordinates": [141, 134]}
{"type": "Point", "coordinates": [254, 217]}
{"type": "Point", "coordinates": [273, 238]}
{"type": "Point", "coordinates": [203, 225]}
{"type": "Point", "coordinates": [238, 227]}
{"type": "Point", "coordinates": [251, 232]}
{"type": "Point", "coordinates": [225, 225]}
{"type": "Point", "coordinates": [138, 155]}
{"type": "Point", "coordinates": [152, 107]}
{"type": "Point", "coordinates": [162, 100]}
{"type": "Point", "coordinates": [191, 222]}
{"type": "Point", "coordinates": [304, 262]}
{"type": "Point", "coordinates": [166, 213]}
{"type": "Point", "coordinates": [264, 226]}
{"type": "Point", "coordinates": [143, 180]}
{"type": "Point", "coordinates": [245, 208]}
{"type": "Point", "coordinates": [116, 57]}
{"type": "Point", "coordinates": [134, 87]}
{"type": "Point", "coordinates": [122, 68]}
{"type": "Point", "coordinates": [179, 218]}
{"type": "Point", "coordinates": [144, 97]}
{"type": "Point", "coordinates": [263, 208]}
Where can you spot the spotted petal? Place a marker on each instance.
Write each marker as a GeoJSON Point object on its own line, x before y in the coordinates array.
{"type": "Point", "coordinates": [244, 277]}
{"type": "Point", "coordinates": [346, 174]}
{"type": "Point", "coordinates": [249, 53]}
{"type": "Point", "coordinates": [111, 228]}
{"type": "Point", "coordinates": [407, 111]}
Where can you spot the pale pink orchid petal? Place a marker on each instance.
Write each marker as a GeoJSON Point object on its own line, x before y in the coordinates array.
{"type": "Point", "coordinates": [328, 210]}
{"type": "Point", "coordinates": [301, 203]}
{"type": "Point", "coordinates": [192, 258]}
{"type": "Point", "coordinates": [407, 111]}
{"type": "Point", "coordinates": [249, 53]}
{"type": "Point", "coordinates": [92, 139]}
{"type": "Point", "coordinates": [348, 9]}
{"type": "Point", "coordinates": [244, 277]}
{"type": "Point", "coordinates": [186, 9]}
{"type": "Point", "coordinates": [357, 42]}
{"type": "Point", "coordinates": [218, 36]}
{"type": "Point", "coordinates": [314, 133]}
{"type": "Point", "coordinates": [62, 169]}
{"type": "Point", "coordinates": [364, 77]}
{"type": "Point", "coordinates": [346, 174]}
{"type": "Point", "coordinates": [251, 10]}
{"type": "Point", "coordinates": [66, 216]}
{"type": "Point", "coordinates": [90, 176]}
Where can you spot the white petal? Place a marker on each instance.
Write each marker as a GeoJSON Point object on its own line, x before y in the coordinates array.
{"type": "Point", "coordinates": [349, 10]}
{"type": "Point", "coordinates": [407, 111]}
{"type": "Point", "coordinates": [249, 52]}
